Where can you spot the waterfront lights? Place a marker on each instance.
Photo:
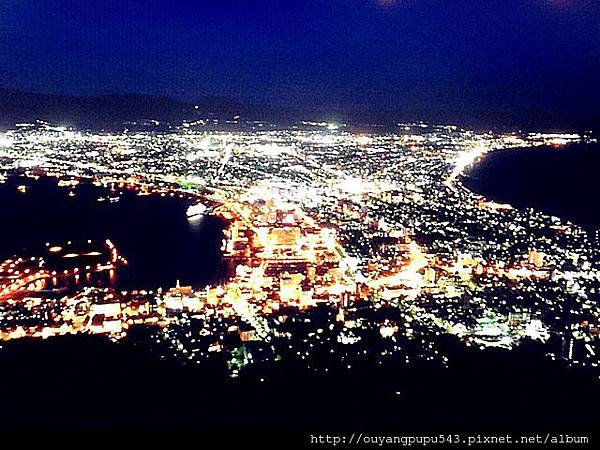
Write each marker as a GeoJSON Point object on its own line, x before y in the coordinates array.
{"type": "Point", "coordinates": [5, 140]}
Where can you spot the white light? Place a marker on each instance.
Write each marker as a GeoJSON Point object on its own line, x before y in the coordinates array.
{"type": "Point", "coordinates": [5, 141]}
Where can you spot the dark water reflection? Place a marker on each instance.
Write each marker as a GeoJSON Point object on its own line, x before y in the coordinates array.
{"type": "Point", "coordinates": [559, 181]}
{"type": "Point", "coordinates": [151, 232]}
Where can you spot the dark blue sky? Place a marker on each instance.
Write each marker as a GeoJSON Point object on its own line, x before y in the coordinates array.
{"type": "Point", "coordinates": [511, 54]}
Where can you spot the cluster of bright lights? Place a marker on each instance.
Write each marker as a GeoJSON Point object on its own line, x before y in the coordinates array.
{"type": "Point", "coordinates": [382, 218]}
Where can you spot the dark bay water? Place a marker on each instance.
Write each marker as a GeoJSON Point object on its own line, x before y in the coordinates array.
{"type": "Point", "coordinates": [151, 232]}
{"type": "Point", "coordinates": [560, 181]}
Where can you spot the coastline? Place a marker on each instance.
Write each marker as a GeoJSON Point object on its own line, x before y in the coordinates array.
{"type": "Point", "coordinates": [550, 180]}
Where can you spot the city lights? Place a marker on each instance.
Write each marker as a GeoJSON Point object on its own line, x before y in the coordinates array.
{"type": "Point", "coordinates": [325, 229]}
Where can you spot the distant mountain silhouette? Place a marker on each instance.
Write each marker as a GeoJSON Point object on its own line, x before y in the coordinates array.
{"type": "Point", "coordinates": [17, 106]}
{"type": "Point", "coordinates": [107, 111]}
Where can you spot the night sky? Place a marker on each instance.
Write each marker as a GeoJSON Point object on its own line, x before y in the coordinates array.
{"type": "Point", "coordinates": [504, 54]}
